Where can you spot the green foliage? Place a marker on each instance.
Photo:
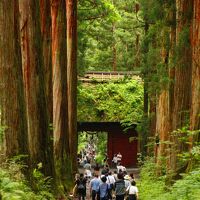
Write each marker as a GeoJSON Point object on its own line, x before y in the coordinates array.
{"type": "Point", "coordinates": [42, 184]}
{"type": "Point", "coordinates": [82, 141]}
{"type": "Point", "coordinates": [13, 185]}
{"type": "Point", "coordinates": [152, 186]}
{"type": "Point", "coordinates": [121, 101]}
{"type": "Point", "coordinates": [101, 147]}
{"type": "Point", "coordinates": [100, 141]}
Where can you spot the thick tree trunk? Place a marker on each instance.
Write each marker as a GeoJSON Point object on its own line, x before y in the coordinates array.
{"type": "Point", "coordinates": [45, 18]}
{"type": "Point", "coordinates": [33, 76]}
{"type": "Point", "coordinates": [71, 8]}
{"type": "Point", "coordinates": [146, 93]}
{"type": "Point", "coordinates": [62, 159]}
{"type": "Point", "coordinates": [162, 121]}
{"type": "Point", "coordinates": [162, 124]}
{"type": "Point", "coordinates": [11, 80]}
{"type": "Point", "coordinates": [152, 150]}
{"type": "Point", "coordinates": [195, 105]}
{"type": "Point", "coordinates": [171, 85]}
{"type": "Point", "coordinates": [182, 84]}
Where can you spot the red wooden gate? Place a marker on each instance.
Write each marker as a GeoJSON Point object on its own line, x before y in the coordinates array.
{"type": "Point", "coordinates": [121, 142]}
{"type": "Point", "coordinates": [118, 140]}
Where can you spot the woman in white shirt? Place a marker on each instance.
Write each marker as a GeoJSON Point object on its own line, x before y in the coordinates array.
{"type": "Point", "coordinates": [132, 191]}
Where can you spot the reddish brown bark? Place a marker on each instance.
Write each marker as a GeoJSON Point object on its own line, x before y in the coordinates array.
{"type": "Point", "coordinates": [11, 85]}
{"type": "Point", "coordinates": [45, 18]}
{"type": "Point", "coordinates": [33, 77]}
{"type": "Point", "coordinates": [162, 111]}
{"type": "Point", "coordinates": [62, 158]}
{"type": "Point", "coordinates": [171, 84]}
{"type": "Point", "coordinates": [71, 8]}
{"type": "Point", "coordinates": [195, 105]}
{"type": "Point", "coordinates": [182, 82]}
{"type": "Point", "coordinates": [162, 122]}
{"type": "Point", "coordinates": [152, 126]}
{"type": "Point", "coordinates": [182, 90]}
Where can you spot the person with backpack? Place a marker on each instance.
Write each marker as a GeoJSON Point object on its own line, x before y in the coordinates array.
{"type": "Point", "coordinates": [132, 191]}
{"type": "Point", "coordinates": [110, 181]}
{"type": "Point", "coordinates": [103, 189]}
{"type": "Point", "coordinates": [81, 187]}
{"type": "Point", "coordinates": [120, 187]}
{"type": "Point", "coordinates": [94, 187]}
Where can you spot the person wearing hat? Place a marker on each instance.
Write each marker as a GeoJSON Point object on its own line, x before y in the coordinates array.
{"type": "Point", "coordinates": [127, 181]}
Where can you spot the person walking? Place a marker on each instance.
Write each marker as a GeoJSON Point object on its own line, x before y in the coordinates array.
{"type": "Point", "coordinates": [120, 187]}
{"type": "Point", "coordinates": [103, 189]}
{"type": "Point", "coordinates": [119, 157]}
{"type": "Point", "coordinates": [94, 187]}
{"type": "Point", "coordinates": [132, 191]}
{"type": "Point", "coordinates": [115, 160]}
{"type": "Point", "coordinates": [110, 181]}
{"type": "Point", "coordinates": [81, 187]}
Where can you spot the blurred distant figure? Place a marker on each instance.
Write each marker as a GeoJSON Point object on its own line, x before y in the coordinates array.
{"type": "Point", "coordinates": [97, 169]}
{"type": "Point", "coordinates": [120, 168]}
{"type": "Point", "coordinates": [115, 160]}
{"type": "Point", "coordinates": [87, 165]}
{"type": "Point", "coordinates": [119, 157]}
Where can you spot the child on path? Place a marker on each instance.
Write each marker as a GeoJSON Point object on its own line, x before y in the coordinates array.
{"type": "Point", "coordinates": [132, 191]}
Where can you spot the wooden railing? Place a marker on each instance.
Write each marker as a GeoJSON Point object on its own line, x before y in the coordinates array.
{"type": "Point", "coordinates": [106, 76]}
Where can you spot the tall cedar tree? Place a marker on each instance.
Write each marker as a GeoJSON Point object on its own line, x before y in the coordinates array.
{"type": "Point", "coordinates": [71, 8]}
{"type": "Point", "coordinates": [11, 85]}
{"type": "Point", "coordinates": [45, 18]}
{"type": "Point", "coordinates": [195, 105]}
{"type": "Point", "coordinates": [62, 158]}
{"type": "Point", "coordinates": [34, 86]}
{"type": "Point", "coordinates": [182, 81]}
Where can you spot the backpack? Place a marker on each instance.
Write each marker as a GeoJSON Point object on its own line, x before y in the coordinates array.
{"type": "Point", "coordinates": [106, 197]}
{"type": "Point", "coordinates": [81, 186]}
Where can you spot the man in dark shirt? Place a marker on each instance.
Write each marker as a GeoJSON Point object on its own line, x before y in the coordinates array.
{"type": "Point", "coordinates": [81, 187]}
{"type": "Point", "coordinates": [120, 187]}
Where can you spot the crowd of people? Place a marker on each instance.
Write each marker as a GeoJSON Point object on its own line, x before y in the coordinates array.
{"type": "Point", "coordinates": [103, 183]}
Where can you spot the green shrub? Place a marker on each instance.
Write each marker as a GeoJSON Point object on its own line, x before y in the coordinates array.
{"type": "Point", "coordinates": [13, 185]}
{"type": "Point", "coordinates": [153, 187]}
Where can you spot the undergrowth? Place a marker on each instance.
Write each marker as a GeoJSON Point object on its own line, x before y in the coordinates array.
{"type": "Point", "coordinates": [13, 185]}
{"type": "Point", "coordinates": [152, 186]}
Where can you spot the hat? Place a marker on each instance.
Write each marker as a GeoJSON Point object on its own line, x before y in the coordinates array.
{"type": "Point", "coordinates": [127, 177]}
